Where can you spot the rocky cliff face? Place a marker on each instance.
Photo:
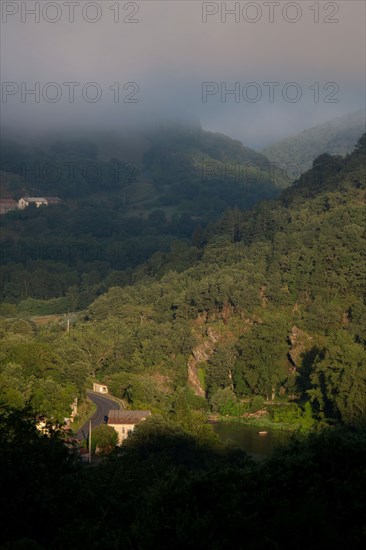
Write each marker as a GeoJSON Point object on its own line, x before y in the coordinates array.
{"type": "Point", "coordinates": [200, 354]}
{"type": "Point", "coordinates": [300, 342]}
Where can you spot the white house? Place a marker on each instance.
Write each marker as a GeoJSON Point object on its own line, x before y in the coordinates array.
{"type": "Point", "coordinates": [100, 388]}
{"type": "Point", "coordinates": [38, 201]}
{"type": "Point", "coordinates": [124, 421]}
{"type": "Point", "coordinates": [26, 201]}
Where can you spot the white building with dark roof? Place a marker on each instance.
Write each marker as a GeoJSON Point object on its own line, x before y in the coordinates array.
{"type": "Point", "coordinates": [124, 421]}
{"type": "Point", "coordinates": [38, 201]}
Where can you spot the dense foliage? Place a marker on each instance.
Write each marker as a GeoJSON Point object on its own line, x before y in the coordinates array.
{"type": "Point", "coordinates": [170, 488]}
{"type": "Point", "coordinates": [272, 307]}
{"type": "Point", "coordinates": [116, 212]}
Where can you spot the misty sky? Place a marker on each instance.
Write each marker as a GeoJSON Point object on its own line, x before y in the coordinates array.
{"type": "Point", "coordinates": [169, 52]}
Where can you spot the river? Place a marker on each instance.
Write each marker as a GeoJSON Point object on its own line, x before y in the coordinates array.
{"type": "Point", "coordinates": [248, 438]}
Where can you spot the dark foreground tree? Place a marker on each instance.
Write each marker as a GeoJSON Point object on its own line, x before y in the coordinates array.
{"type": "Point", "coordinates": [38, 478]}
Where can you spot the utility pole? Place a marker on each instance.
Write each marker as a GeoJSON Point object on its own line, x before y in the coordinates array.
{"type": "Point", "coordinates": [90, 440]}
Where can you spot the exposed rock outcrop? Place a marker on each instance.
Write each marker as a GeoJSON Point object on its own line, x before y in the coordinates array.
{"type": "Point", "coordinates": [300, 342]}
{"type": "Point", "coordinates": [200, 354]}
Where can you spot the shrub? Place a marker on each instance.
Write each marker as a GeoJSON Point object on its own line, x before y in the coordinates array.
{"type": "Point", "coordinates": [224, 401]}
{"type": "Point", "coordinates": [104, 438]}
{"type": "Point", "coordinates": [289, 414]}
{"type": "Point", "coordinates": [256, 404]}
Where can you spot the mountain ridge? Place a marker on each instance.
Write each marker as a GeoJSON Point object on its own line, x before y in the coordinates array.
{"type": "Point", "coordinates": [337, 136]}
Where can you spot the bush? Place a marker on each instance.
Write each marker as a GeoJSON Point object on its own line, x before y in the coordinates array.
{"type": "Point", "coordinates": [54, 306]}
{"type": "Point", "coordinates": [224, 401]}
{"type": "Point", "coordinates": [307, 419]}
{"type": "Point", "coordinates": [104, 438]}
{"type": "Point", "coordinates": [289, 414]}
{"type": "Point", "coordinates": [256, 404]}
{"type": "Point", "coordinates": [8, 310]}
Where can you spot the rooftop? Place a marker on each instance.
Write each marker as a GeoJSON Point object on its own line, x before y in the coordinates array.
{"type": "Point", "coordinates": [33, 199]}
{"type": "Point", "coordinates": [127, 417]}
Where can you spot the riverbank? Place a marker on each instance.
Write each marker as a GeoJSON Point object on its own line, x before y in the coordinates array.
{"type": "Point", "coordinates": [261, 422]}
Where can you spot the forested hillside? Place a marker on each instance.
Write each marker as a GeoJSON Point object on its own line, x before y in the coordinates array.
{"type": "Point", "coordinates": [115, 212]}
{"type": "Point", "coordinates": [336, 137]}
{"type": "Point", "coordinates": [269, 319]}
{"type": "Point", "coordinates": [279, 291]}
{"type": "Point", "coordinates": [271, 310]}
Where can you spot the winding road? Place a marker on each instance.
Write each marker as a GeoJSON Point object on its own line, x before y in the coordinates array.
{"type": "Point", "coordinates": [104, 405]}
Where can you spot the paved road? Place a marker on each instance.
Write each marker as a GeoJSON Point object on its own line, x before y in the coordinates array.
{"type": "Point", "coordinates": [104, 404]}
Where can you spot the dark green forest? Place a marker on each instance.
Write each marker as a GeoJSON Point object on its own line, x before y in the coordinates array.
{"type": "Point", "coordinates": [267, 304]}
{"type": "Point", "coordinates": [117, 209]}
{"type": "Point", "coordinates": [260, 309]}
{"type": "Point", "coordinates": [168, 487]}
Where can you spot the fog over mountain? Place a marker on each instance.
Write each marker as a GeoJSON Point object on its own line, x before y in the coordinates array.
{"type": "Point", "coordinates": [126, 64]}
{"type": "Point", "coordinates": [337, 136]}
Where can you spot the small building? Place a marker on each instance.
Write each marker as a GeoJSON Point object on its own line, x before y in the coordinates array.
{"type": "Point", "coordinates": [100, 388]}
{"type": "Point", "coordinates": [124, 421]}
{"type": "Point", "coordinates": [6, 205]}
{"type": "Point", "coordinates": [26, 201]}
{"type": "Point", "coordinates": [38, 201]}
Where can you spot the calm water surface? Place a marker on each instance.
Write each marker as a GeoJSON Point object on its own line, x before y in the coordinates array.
{"type": "Point", "coordinates": [248, 438]}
